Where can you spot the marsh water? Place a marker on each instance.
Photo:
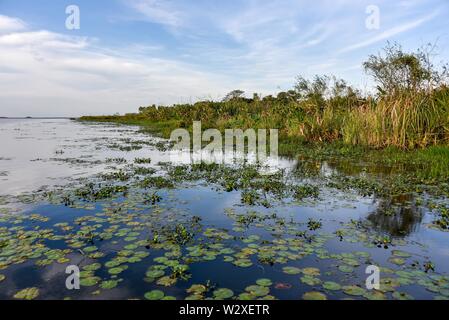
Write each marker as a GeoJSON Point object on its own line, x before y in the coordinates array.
{"type": "Point", "coordinates": [106, 198]}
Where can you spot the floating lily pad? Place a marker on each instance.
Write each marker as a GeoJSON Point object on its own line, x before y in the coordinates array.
{"type": "Point", "coordinates": [346, 269]}
{"type": "Point", "coordinates": [154, 295]}
{"type": "Point", "coordinates": [90, 249]}
{"type": "Point", "coordinates": [354, 290]}
{"type": "Point", "coordinates": [310, 280]}
{"type": "Point", "coordinates": [109, 284]}
{"type": "Point", "coordinates": [314, 295]}
{"type": "Point", "coordinates": [27, 294]}
{"type": "Point", "coordinates": [257, 291]}
{"type": "Point", "coordinates": [333, 286]}
{"type": "Point", "coordinates": [264, 282]}
{"type": "Point", "coordinates": [223, 293]}
{"type": "Point", "coordinates": [246, 296]}
{"type": "Point", "coordinates": [166, 281]}
{"type": "Point", "coordinates": [375, 295]}
{"type": "Point", "coordinates": [92, 267]}
{"type": "Point", "coordinates": [291, 270]}
{"type": "Point", "coordinates": [402, 254]}
{"type": "Point", "coordinates": [311, 271]}
{"type": "Point", "coordinates": [2, 277]}
{"type": "Point", "coordinates": [402, 296]}
{"type": "Point", "coordinates": [243, 263]}
{"type": "Point", "coordinates": [89, 281]}
{"type": "Point", "coordinates": [397, 261]}
{"type": "Point", "coordinates": [155, 274]}
{"type": "Point", "coordinates": [117, 270]}
{"type": "Point", "coordinates": [197, 289]}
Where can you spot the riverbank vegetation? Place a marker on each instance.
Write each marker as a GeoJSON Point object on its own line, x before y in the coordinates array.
{"type": "Point", "coordinates": [408, 111]}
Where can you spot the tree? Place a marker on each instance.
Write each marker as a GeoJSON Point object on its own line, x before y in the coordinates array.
{"type": "Point", "coordinates": [395, 70]}
{"type": "Point", "coordinates": [234, 95]}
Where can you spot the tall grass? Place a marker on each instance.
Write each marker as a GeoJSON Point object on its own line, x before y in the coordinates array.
{"type": "Point", "coordinates": [406, 120]}
{"type": "Point", "coordinates": [410, 110]}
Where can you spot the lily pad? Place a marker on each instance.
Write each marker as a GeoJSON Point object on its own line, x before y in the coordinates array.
{"type": "Point", "coordinates": [155, 274]}
{"type": "Point", "coordinates": [27, 294]}
{"type": "Point", "coordinates": [89, 281]}
{"type": "Point", "coordinates": [257, 291]}
{"type": "Point", "coordinates": [402, 296]}
{"type": "Point", "coordinates": [346, 269]}
{"type": "Point", "coordinates": [310, 280]}
{"type": "Point", "coordinates": [154, 295]}
{"type": "Point", "coordinates": [291, 270]}
{"type": "Point", "coordinates": [375, 295]}
{"type": "Point", "coordinates": [264, 282]}
{"type": "Point", "coordinates": [223, 293]}
{"type": "Point", "coordinates": [354, 290]}
{"type": "Point", "coordinates": [311, 271]}
{"type": "Point", "coordinates": [109, 284]}
{"type": "Point", "coordinates": [333, 286]}
{"type": "Point", "coordinates": [197, 289]}
{"type": "Point", "coordinates": [397, 261]}
{"type": "Point", "coordinates": [167, 281]}
{"type": "Point", "coordinates": [314, 295]}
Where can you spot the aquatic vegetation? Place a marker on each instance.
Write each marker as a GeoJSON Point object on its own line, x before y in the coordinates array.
{"type": "Point", "coordinates": [142, 160]}
{"type": "Point", "coordinates": [143, 233]}
{"type": "Point", "coordinates": [223, 293]}
{"type": "Point", "coordinates": [156, 182]}
{"type": "Point", "coordinates": [314, 225]}
{"type": "Point", "coordinates": [314, 295]}
{"type": "Point", "coordinates": [27, 294]}
{"type": "Point", "coordinates": [154, 295]}
{"type": "Point", "coordinates": [306, 191]}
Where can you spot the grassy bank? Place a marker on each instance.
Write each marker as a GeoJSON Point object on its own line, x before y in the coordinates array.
{"type": "Point", "coordinates": [405, 122]}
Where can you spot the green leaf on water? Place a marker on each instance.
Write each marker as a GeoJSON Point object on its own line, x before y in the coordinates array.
{"type": "Point", "coordinates": [264, 282]}
{"type": "Point", "coordinates": [154, 295]}
{"type": "Point", "coordinates": [310, 280]}
{"type": "Point", "coordinates": [155, 274]}
{"type": "Point", "coordinates": [311, 271]}
{"type": "Point", "coordinates": [257, 291]}
{"type": "Point", "coordinates": [402, 296]}
{"type": "Point", "coordinates": [333, 286]}
{"type": "Point", "coordinates": [223, 293]}
{"type": "Point", "coordinates": [27, 294]}
{"type": "Point", "coordinates": [314, 295]}
{"type": "Point", "coordinates": [354, 290]}
{"type": "Point", "coordinates": [197, 289]}
{"type": "Point", "coordinates": [109, 284]}
{"type": "Point", "coordinates": [345, 268]}
{"type": "Point", "coordinates": [291, 270]}
{"type": "Point", "coordinates": [397, 261]}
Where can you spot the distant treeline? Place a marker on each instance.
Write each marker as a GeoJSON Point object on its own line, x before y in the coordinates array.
{"type": "Point", "coordinates": [409, 108]}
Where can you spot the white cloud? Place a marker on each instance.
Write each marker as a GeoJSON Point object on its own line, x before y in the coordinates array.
{"type": "Point", "coordinates": [158, 11]}
{"type": "Point", "coordinates": [46, 73]}
{"type": "Point", "coordinates": [8, 24]}
{"type": "Point", "coordinates": [391, 33]}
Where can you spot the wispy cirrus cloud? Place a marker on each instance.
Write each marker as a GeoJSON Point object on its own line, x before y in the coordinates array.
{"type": "Point", "coordinates": [387, 34]}
{"type": "Point", "coordinates": [140, 52]}
{"type": "Point", "coordinates": [158, 11]}
{"type": "Point", "coordinates": [48, 73]}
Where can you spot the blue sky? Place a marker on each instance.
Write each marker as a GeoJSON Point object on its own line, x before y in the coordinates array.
{"type": "Point", "coordinates": [129, 53]}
